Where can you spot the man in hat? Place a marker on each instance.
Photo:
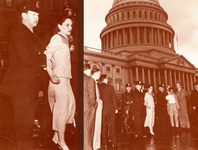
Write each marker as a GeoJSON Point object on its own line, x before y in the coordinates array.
{"type": "Point", "coordinates": [90, 106]}
{"type": "Point", "coordinates": [108, 96]}
{"type": "Point", "coordinates": [194, 102]}
{"type": "Point", "coordinates": [138, 109]}
{"type": "Point", "coordinates": [161, 110]}
{"type": "Point", "coordinates": [127, 103]}
{"type": "Point", "coordinates": [21, 81]}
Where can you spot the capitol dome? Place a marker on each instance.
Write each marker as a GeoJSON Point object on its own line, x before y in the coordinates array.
{"type": "Point", "coordinates": [137, 26]}
{"type": "Point", "coordinates": [115, 2]}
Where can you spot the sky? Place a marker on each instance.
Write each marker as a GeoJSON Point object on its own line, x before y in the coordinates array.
{"type": "Point", "coordinates": [182, 16]}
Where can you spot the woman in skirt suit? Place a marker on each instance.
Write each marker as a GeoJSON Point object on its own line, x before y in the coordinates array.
{"type": "Point", "coordinates": [60, 94]}
{"type": "Point", "coordinates": [150, 109]}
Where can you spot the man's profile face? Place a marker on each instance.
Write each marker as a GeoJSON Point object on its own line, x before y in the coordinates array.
{"type": "Point", "coordinates": [196, 87]}
{"type": "Point", "coordinates": [30, 18]}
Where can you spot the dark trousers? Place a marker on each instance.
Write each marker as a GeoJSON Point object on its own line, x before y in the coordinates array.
{"type": "Point", "coordinates": [139, 123]}
{"type": "Point", "coordinates": [108, 126]}
{"type": "Point", "coordinates": [193, 118]}
{"type": "Point", "coordinates": [24, 113]}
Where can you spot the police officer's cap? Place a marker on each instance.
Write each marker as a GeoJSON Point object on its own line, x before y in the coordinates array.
{"type": "Point", "coordinates": [138, 83]}
{"type": "Point", "coordinates": [32, 5]}
{"type": "Point", "coordinates": [128, 85]}
{"type": "Point", "coordinates": [162, 85]}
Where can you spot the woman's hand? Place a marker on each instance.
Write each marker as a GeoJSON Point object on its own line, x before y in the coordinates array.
{"type": "Point", "coordinates": [54, 79]}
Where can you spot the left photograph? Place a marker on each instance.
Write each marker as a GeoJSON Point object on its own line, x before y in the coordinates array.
{"type": "Point", "coordinates": [38, 74]}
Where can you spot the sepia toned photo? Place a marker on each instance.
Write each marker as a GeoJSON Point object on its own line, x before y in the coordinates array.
{"type": "Point", "coordinates": [140, 74]}
{"type": "Point", "coordinates": [38, 74]}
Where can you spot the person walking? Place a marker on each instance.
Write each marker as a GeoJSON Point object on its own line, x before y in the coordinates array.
{"type": "Point", "coordinates": [22, 78]}
{"type": "Point", "coordinates": [150, 109]}
{"type": "Point", "coordinates": [183, 111]}
{"type": "Point", "coordinates": [60, 96]}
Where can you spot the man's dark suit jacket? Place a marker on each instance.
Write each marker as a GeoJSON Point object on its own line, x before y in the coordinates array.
{"type": "Point", "coordinates": [25, 63]}
{"type": "Point", "coordinates": [138, 102]}
{"type": "Point", "coordinates": [108, 96]}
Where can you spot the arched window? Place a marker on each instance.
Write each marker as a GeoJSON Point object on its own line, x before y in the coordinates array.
{"type": "Point", "coordinates": [140, 14]}
{"type": "Point", "coordinates": [151, 15]}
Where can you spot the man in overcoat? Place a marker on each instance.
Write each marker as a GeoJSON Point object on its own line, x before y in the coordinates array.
{"type": "Point", "coordinates": [21, 80]}
{"type": "Point", "coordinates": [108, 96]}
{"type": "Point", "coordinates": [90, 106]}
{"type": "Point", "coordinates": [138, 109]}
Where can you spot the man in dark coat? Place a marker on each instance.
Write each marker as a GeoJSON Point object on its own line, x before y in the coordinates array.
{"type": "Point", "coordinates": [162, 119]}
{"type": "Point", "coordinates": [21, 80]}
{"type": "Point", "coordinates": [108, 96]}
{"type": "Point", "coordinates": [194, 102]}
{"type": "Point", "coordinates": [127, 108]}
{"type": "Point", "coordinates": [90, 105]}
{"type": "Point", "coordinates": [138, 109]}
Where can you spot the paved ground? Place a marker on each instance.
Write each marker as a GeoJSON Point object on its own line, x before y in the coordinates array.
{"type": "Point", "coordinates": [180, 140]}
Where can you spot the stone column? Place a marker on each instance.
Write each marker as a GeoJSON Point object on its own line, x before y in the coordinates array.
{"type": "Point", "coordinates": [164, 41]}
{"type": "Point", "coordinates": [136, 73]}
{"type": "Point", "coordinates": [117, 38]}
{"type": "Point", "coordinates": [149, 76]}
{"type": "Point", "coordinates": [107, 40]}
{"type": "Point", "coordinates": [179, 76]}
{"type": "Point", "coordinates": [113, 80]}
{"type": "Point", "coordinates": [111, 33]}
{"type": "Point", "coordinates": [175, 77]}
{"type": "Point", "coordinates": [168, 39]}
{"type": "Point", "coordinates": [191, 82]}
{"type": "Point", "coordinates": [154, 79]}
{"type": "Point", "coordinates": [184, 83]}
{"type": "Point", "coordinates": [143, 75]}
{"type": "Point", "coordinates": [165, 77]}
{"type": "Point", "coordinates": [170, 76]}
{"type": "Point", "coordinates": [159, 76]}
{"type": "Point", "coordinates": [124, 37]}
{"type": "Point", "coordinates": [187, 79]}
{"type": "Point", "coordinates": [138, 35]}
{"type": "Point", "coordinates": [145, 36]}
{"type": "Point", "coordinates": [158, 37]}
{"type": "Point", "coordinates": [152, 40]}
{"type": "Point", "coordinates": [131, 35]}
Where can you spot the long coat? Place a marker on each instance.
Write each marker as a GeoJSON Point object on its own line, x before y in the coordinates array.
{"type": "Point", "coordinates": [90, 105]}
{"type": "Point", "coordinates": [25, 63]}
{"type": "Point", "coordinates": [108, 96]}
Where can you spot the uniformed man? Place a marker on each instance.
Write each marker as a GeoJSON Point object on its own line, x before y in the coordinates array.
{"type": "Point", "coordinates": [194, 102]}
{"type": "Point", "coordinates": [161, 110]}
{"type": "Point", "coordinates": [21, 80]}
{"type": "Point", "coordinates": [127, 102]}
{"type": "Point", "coordinates": [138, 109]}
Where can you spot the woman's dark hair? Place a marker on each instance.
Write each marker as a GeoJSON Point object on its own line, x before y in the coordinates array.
{"type": "Point", "coordinates": [68, 13]}
{"type": "Point", "coordinates": [148, 86]}
{"type": "Point", "coordinates": [94, 70]}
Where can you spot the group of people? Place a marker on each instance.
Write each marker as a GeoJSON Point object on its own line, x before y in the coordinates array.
{"type": "Point", "coordinates": [28, 58]}
{"type": "Point", "coordinates": [143, 106]}
{"type": "Point", "coordinates": [100, 107]}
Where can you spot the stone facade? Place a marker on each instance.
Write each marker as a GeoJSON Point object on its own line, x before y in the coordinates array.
{"type": "Point", "coordinates": [138, 44]}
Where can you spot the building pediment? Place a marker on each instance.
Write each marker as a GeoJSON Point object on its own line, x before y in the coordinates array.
{"type": "Point", "coordinates": [179, 61]}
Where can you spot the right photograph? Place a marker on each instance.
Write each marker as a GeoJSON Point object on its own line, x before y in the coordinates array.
{"type": "Point", "coordinates": [140, 74]}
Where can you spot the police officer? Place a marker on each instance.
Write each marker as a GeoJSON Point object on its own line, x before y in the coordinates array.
{"type": "Point", "coordinates": [161, 110]}
{"type": "Point", "coordinates": [21, 81]}
{"type": "Point", "coordinates": [127, 102]}
{"type": "Point", "coordinates": [138, 109]}
{"type": "Point", "coordinates": [194, 102]}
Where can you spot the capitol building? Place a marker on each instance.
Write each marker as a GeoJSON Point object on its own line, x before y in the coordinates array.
{"type": "Point", "coordinates": [138, 44]}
